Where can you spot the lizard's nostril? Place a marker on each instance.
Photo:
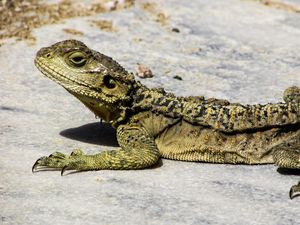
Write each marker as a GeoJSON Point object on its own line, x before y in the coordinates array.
{"type": "Point", "coordinates": [43, 52]}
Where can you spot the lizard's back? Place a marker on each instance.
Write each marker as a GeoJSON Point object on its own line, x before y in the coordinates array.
{"type": "Point", "coordinates": [221, 114]}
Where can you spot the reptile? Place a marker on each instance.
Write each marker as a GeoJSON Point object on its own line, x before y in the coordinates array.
{"type": "Point", "coordinates": [152, 123]}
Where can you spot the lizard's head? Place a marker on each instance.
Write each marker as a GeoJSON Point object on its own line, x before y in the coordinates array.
{"type": "Point", "coordinates": [95, 79]}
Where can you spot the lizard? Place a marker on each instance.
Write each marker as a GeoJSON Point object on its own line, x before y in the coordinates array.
{"type": "Point", "coordinates": [152, 123]}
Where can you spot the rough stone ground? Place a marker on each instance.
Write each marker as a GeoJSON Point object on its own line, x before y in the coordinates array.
{"type": "Point", "coordinates": [236, 49]}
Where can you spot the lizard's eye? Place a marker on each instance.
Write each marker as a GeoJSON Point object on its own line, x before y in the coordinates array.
{"type": "Point", "coordinates": [77, 59]}
{"type": "Point", "coordinates": [109, 82]}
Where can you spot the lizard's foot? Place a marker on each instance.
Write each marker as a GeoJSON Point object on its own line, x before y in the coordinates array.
{"type": "Point", "coordinates": [295, 191]}
{"type": "Point", "coordinates": [77, 161]}
{"type": "Point", "coordinates": [292, 94]}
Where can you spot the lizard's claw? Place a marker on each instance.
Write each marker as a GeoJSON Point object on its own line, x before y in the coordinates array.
{"type": "Point", "coordinates": [36, 164]}
{"type": "Point", "coordinates": [295, 191]}
{"type": "Point", "coordinates": [63, 170]}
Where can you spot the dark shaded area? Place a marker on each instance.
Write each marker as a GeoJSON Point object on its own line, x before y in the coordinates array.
{"type": "Point", "coordinates": [13, 109]}
{"type": "Point", "coordinates": [283, 129]}
{"type": "Point", "coordinates": [49, 169]}
{"type": "Point", "coordinates": [45, 169]}
{"type": "Point", "coordinates": [157, 165]}
{"type": "Point", "coordinates": [94, 133]}
{"type": "Point", "coordinates": [285, 171]}
{"type": "Point", "coordinates": [6, 108]}
{"type": "Point", "coordinates": [177, 77]}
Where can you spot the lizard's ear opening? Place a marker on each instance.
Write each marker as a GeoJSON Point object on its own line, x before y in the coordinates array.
{"type": "Point", "coordinates": [109, 82]}
{"type": "Point", "coordinates": [112, 87]}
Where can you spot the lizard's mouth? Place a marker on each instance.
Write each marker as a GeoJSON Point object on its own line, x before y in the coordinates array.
{"type": "Point", "coordinates": [69, 83]}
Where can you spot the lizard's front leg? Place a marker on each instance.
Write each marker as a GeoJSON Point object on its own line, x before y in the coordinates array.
{"type": "Point", "coordinates": [138, 150]}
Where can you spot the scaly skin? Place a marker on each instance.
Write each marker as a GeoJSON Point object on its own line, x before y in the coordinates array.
{"type": "Point", "coordinates": [152, 124]}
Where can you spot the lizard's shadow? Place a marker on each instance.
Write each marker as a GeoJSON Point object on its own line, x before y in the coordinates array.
{"type": "Point", "coordinates": [285, 171]}
{"type": "Point", "coordinates": [93, 133]}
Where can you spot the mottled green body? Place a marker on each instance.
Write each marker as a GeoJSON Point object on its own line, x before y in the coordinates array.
{"type": "Point", "coordinates": [224, 117]}
{"type": "Point", "coordinates": [151, 123]}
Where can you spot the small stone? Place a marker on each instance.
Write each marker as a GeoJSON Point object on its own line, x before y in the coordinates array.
{"type": "Point", "coordinates": [73, 31]}
{"type": "Point", "coordinates": [144, 71]}
{"type": "Point", "coordinates": [175, 29]}
{"type": "Point", "coordinates": [177, 77]}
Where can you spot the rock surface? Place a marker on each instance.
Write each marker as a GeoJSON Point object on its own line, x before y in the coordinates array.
{"type": "Point", "coordinates": [243, 51]}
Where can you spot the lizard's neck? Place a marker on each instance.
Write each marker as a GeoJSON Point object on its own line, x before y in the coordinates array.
{"type": "Point", "coordinates": [114, 113]}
